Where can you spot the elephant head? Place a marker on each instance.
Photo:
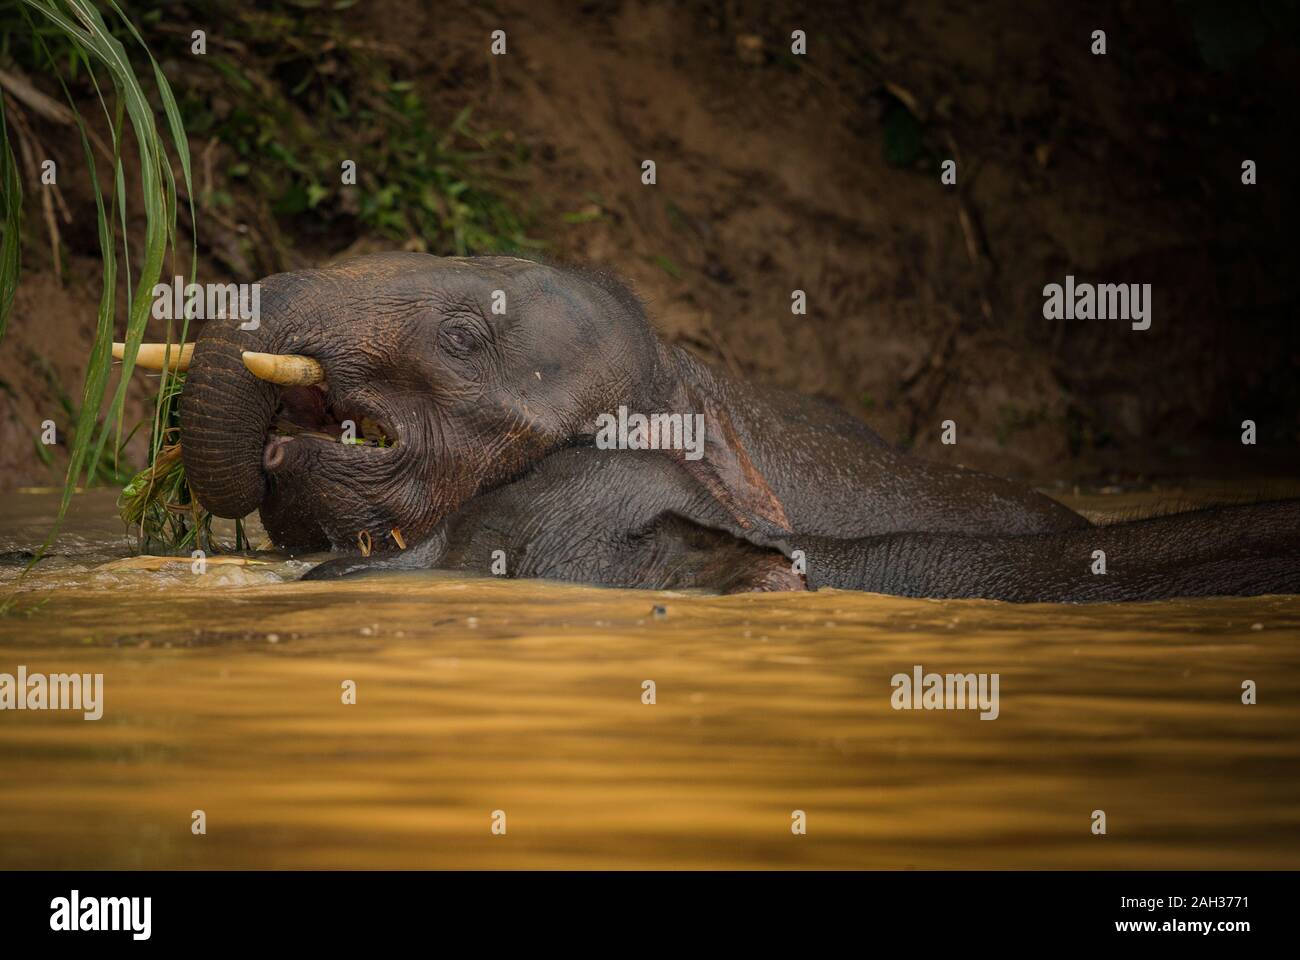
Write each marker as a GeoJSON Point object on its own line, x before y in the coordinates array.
{"type": "Point", "coordinates": [382, 393]}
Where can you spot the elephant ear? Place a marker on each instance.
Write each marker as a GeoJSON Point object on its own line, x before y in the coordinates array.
{"type": "Point", "coordinates": [728, 473]}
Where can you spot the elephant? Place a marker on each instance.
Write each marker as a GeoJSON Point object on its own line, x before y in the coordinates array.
{"type": "Point", "coordinates": [482, 387]}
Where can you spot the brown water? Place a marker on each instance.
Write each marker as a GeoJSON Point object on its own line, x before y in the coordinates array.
{"type": "Point", "coordinates": [222, 694]}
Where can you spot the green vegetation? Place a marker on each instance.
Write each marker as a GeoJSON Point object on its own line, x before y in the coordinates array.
{"type": "Point", "coordinates": [1013, 419]}
{"type": "Point", "coordinates": [667, 266]}
{"type": "Point", "coordinates": [298, 94]}
{"type": "Point", "coordinates": [904, 140]}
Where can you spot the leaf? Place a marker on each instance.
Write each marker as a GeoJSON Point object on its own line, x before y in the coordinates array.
{"type": "Point", "coordinates": [903, 145]}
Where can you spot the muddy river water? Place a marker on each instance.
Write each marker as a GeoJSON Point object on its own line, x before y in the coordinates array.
{"type": "Point", "coordinates": [479, 700]}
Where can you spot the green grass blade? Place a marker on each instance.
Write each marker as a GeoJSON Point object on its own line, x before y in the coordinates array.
{"type": "Point", "coordinates": [85, 27]}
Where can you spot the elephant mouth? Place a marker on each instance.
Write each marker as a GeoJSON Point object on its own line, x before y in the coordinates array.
{"type": "Point", "coordinates": [259, 427]}
{"type": "Point", "coordinates": [315, 415]}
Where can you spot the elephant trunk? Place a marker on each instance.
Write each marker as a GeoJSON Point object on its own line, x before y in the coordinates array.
{"type": "Point", "coordinates": [226, 413]}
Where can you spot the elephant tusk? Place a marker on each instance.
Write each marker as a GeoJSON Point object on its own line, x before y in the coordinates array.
{"type": "Point", "coordinates": [151, 355]}
{"type": "Point", "coordinates": [287, 369]}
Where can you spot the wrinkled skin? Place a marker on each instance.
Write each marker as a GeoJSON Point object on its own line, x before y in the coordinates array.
{"type": "Point", "coordinates": [493, 415]}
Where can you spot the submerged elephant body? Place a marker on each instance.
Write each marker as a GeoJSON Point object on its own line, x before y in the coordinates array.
{"type": "Point", "coordinates": [634, 519]}
{"type": "Point", "coordinates": [477, 386]}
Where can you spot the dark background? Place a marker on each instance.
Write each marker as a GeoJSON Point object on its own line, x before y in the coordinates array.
{"type": "Point", "coordinates": [775, 172]}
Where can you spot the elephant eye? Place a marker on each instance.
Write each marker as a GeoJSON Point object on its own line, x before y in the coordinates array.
{"type": "Point", "coordinates": [456, 339]}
